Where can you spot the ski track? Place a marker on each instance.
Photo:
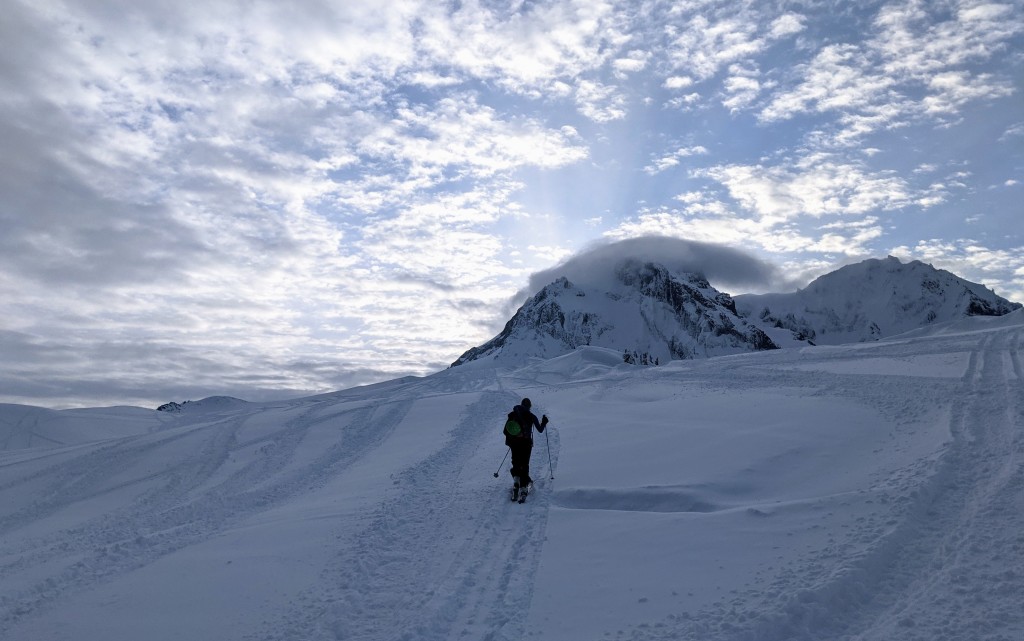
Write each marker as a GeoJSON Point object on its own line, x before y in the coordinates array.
{"type": "Point", "coordinates": [967, 561]}
{"type": "Point", "coordinates": [406, 576]}
{"type": "Point", "coordinates": [184, 505]}
{"type": "Point", "coordinates": [949, 526]}
{"type": "Point", "coordinates": [21, 432]}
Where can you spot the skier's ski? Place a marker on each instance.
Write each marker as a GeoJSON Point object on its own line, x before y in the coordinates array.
{"type": "Point", "coordinates": [523, 492]}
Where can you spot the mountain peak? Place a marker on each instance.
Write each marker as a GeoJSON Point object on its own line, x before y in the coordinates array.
{"type": "Point", "coordinates": [644, 308]}
{"type": "Point", "coordinates": [873, 299]}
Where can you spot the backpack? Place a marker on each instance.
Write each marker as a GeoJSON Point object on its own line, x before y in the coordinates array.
{"type": "Point", "coordinates": [512, 428]}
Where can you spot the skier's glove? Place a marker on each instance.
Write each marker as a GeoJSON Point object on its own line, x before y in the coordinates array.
{"type": "Point", "coordinates": [544, 420]}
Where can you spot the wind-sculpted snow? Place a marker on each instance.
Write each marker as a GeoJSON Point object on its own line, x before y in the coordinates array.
{"type": "Point", "coordinates": [868, 492]}
{"type": "Point", "coordinates": [646, 499]}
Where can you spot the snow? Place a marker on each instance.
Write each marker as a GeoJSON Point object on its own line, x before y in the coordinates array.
{"type": "Point", "coordinates": [931, 365]}
{"type": "Point", "coordinates": [871, 492]}
{"type": "Point", "coordinates": [23, 426]}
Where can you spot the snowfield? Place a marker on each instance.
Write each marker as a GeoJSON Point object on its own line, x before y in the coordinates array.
{"type": "Point", "coordinates": [863, 492]}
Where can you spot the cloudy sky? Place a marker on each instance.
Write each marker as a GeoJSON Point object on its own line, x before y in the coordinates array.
{"type": "Point", "coordinates": [265, 199]}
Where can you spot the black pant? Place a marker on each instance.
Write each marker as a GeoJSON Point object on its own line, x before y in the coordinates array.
{"type": "Point", "coordinates": [521, 449]}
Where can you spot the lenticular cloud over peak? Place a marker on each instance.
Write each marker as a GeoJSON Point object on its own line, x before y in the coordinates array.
{"type": "Point", "coordinates": [723, 266]}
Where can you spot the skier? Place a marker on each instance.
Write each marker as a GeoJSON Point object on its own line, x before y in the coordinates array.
{"type": "Point", "coordinates": [522, 446]}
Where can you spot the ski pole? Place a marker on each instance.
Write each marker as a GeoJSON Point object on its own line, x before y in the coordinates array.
{"type": "Point", "coordinates": [548, 441]}
{"type": "Point", "coordinates": [502, 461]}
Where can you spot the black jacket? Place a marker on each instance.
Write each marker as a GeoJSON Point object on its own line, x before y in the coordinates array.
{"type": "Point", "coordinates": [527, 421]}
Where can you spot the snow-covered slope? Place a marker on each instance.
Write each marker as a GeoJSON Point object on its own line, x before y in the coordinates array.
{"type": "Point", "coordinates": [24, 426]}
{"type": "Point", "coordinates": [642, 309]}
{"type": "Point", "coordinates": [869, 491]}
{"type": "Point", "coordinates": [871, 300]}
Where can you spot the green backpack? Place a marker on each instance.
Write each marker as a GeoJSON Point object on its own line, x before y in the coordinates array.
{"type": "Point", "coordinates": [512, 428]}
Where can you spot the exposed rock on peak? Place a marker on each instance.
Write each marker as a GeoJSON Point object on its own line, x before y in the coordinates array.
{"type": "Point", "coordinates": [873, 299]}
{"type": "Point", "coordinates": [645, 308]}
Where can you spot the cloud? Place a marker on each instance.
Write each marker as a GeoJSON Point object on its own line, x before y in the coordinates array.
{"type": "Point", "coordinates": [678, 82]}
{"type": "Point", "coordinates": [837, 79]}
{"type": "Point", "coordinates": [951, 90]}
{"type": "Point", "coordinates": [684, 103]}
{"type": "Point", "coordinates": [256, 192]}
{"type": "Point", "coordinates": [527, 50]}
{"type": "Point", "coordinates": [152, 372]}
{"type": "Point", "coordinates": [787, 25]}
{"type": "Point", "coordinates": [710, 220]}
{"type": "Point", "coordinates": [311, 196]}
{"type": "Point", "coordinates": [633, 62]}
{"type": "Point", "coordinates": [458, 133]}
{"type": "Point", "coordinates": [600, 103]}
{"type": "Point", "coordinates": [701, 46]}
{"type": "Point", "coordinates": [919, 65]}
{"type": "Point", "coordinates": [1014, 131]}
{"type": "Point", "coordinates": [704, 39]}
{"type": "Point", "coordinates": [671, 160]}
{"type": "Point", "coordinates": [720, 264]}
{"type": "Point", "coordinates": [816, 185]}
{"type": "Point", "coordinates": [741, 91]}
{"type": "Point", "coordinates": [996, 268]}
{"type": "Point", "coordinates": [41, 242]}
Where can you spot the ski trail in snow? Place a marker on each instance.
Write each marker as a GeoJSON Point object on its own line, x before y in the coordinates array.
{"type": "Point", "coordinates": [22, 432]}
{"type": "Point", "coordinates": [175, 500]}
{"type": "Point", "coordinates": [961, 529]}
{"type": "Point", "coordinates": [409, 575]}
{"type": "Point", "coordinates": [948, 525]}
{"type": "Point", "coordinates": [968, 561]}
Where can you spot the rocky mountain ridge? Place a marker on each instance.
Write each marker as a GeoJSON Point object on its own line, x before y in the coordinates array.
{"type": "Point", "coordinates": [873, 299]}
{"type": "Point", "coordinates": [645, 309]}
{"type": "Point", "coordinates": [653, 315]}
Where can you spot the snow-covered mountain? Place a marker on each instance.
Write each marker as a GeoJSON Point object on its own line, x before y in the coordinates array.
{"type": "Point", "coordinates": [873, 299]}
{"type": "Point", "coordinates": [642, 309]}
